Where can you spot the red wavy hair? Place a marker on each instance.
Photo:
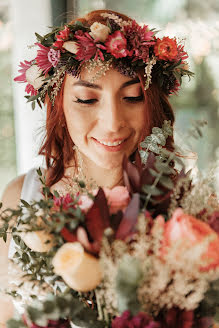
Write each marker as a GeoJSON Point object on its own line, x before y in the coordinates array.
{"type": "Point", "coordinates": [57, 144]}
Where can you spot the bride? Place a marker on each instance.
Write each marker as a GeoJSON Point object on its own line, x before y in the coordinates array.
{"type": "Point", "coordinates": [98, 108]}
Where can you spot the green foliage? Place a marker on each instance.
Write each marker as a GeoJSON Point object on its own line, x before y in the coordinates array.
{"type": "Point", "coordinates": [128, 279]}
{"type": "Point", "coordinates": [209, 307]}
{"type": "Point", "coordinates": [56, 307]}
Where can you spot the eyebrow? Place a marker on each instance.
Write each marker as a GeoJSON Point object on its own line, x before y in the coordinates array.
{"type": "Point", "coordinates": [96, 86]}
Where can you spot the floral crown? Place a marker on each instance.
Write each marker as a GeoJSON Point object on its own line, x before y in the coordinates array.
{"type": "Point", "coordinates": [126, 45]}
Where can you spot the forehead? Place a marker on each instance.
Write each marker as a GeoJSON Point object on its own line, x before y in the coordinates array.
{"type": "Point", "coordinates": [96, 79]}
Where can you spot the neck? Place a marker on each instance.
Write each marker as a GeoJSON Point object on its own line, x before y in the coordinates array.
{"type": "Point", "coordinates": [103, 177]}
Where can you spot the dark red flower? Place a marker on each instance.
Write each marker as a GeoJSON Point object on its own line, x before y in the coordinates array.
{"type": "Point", "coordinates": [139, 39]}
{"type": "Point", "coordinates": [88, 47]}
{"type": "Point", "coordinates": [213, 221]}
{"type": "Point", "coordinates": [176, 318]}
{"type": "Point", "coordinates": [141, 320]}
{"type": "Point", "coordinates": [166, 49]}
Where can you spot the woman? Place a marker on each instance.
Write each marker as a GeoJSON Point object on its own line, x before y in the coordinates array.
{"type": "Point", "coordinates": [107, 84]}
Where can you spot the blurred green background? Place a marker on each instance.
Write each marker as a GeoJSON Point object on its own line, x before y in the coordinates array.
{"type": "Point", "coordinates": [195, 22]}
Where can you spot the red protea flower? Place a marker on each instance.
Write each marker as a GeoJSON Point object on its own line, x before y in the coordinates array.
{"type": "Point", "coordinates": [166, 49]}
{"type": "Point", "coordinates": [116, 44]}
{"type": "Point", "coordinates": [22, 78]}
{"type": "Point", "coordinates": [47, 58]}
{"type": "Point", "coordinates": [88, 47]}
{"type": "Point", "coordinates": [182, 54]}
{"type": "Point", "coordinates": [64, 201]}
{"type": "Point", "coordinates": [139, 39]}
{"type": "Point", "coordinates": [61, 37]}
{"type": "Point", "coordinates": [141, 320]}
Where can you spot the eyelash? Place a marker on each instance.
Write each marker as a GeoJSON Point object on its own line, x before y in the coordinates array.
{"type": "Point", "coordinates": [92, 101]}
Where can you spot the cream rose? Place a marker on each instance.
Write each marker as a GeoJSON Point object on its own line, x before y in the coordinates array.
{"type": "Point", "coordinates": [99, 31]}
{"type": "Point", "coordinates": [38, 241]}
{"type": "Point", "coordinates": [33, 76]}
{"type": "Point", "coordinates": [71, 46]}
{"type": "Point", "coordinates": [80, 270]}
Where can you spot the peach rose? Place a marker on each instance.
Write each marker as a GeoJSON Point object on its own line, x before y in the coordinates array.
{"type": "Point", "coordinates": [117, 198]}
{"type": "Point", "coordinates": [80, 270]}
{"type": "Point", "coordinates": [99, 31]}
{"type": "Point", "coordinates": [191, 232]}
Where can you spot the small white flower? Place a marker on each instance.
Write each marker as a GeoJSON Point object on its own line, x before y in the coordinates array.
{"type": "Point", "coordinates": [71, 46]}
{"type": "Point", "coordinates": [99, 31]}
{"type": "Point", "coordinates": [33, 77]}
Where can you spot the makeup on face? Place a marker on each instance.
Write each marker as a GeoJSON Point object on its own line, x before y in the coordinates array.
{"type": "Point", "coordinates": [105, 119]}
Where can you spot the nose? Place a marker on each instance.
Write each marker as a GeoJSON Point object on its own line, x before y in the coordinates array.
{"type": "Point", "coordinates": [113, 115]}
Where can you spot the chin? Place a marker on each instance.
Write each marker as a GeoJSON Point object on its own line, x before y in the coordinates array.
{"type": "Point", "coordinates": [109, 162]}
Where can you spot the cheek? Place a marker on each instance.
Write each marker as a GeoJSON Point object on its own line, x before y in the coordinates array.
{"type": "Point", "coordinates": [78, 121]}
{"type": "Point", "coordinates": [140, 121]}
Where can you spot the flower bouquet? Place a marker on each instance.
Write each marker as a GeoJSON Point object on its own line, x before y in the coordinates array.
{"type": "Point", "coordinates": [144, 255]}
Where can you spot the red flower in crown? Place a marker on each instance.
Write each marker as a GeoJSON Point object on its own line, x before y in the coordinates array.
{"type": "Point", "coordinates": [116, 44]}
{"type": "Point", "coordinates": [88, 47]}
{"type": "Point", "coordinates": [182, 54]}
{"type": "Point", "coordinates": [61, 37]}
{"type": "Point", "coordinates": [166, 49]}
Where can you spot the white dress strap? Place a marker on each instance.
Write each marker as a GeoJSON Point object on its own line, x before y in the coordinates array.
{"type": "Point", "coordinates": [30, 191]}
{"type": "Point", "coordinates": [31, 187]}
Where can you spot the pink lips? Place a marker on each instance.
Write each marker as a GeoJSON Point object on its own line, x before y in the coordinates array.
{"type": "Point", "coordinates": [111, 148]}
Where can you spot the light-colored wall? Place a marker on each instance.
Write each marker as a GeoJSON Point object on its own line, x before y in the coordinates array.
{"type": "Point", "coordinates": [28, 17]}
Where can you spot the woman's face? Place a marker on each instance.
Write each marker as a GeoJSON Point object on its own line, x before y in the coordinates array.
{"type": "Point", "coordinates": [106, 118]}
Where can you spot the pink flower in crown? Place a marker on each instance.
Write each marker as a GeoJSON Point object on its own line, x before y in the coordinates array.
{"type": "Point", "coordinates": [116, 44]}
{"type": "Point", "coordinates": [23, 79]}
{"type": "Point", "coordinates": [88, 47]}
{"type": "Point", "coordinates": [61, 37]}
{"type": "Point", "coordinates": [139, 39]}
{"type": "Point", "coordinates": [47, 58]}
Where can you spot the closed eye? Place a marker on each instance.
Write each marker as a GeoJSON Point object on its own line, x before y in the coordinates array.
{"type": "Point", "coordinates": [134, 99]}
{"type": "Point", "coordinates": [86, 101]}
{"type": "Point", "coordinates": [128, 99]}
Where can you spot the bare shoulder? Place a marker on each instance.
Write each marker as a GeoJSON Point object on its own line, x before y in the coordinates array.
{"type": "Point", "coordinates": [12, 193]}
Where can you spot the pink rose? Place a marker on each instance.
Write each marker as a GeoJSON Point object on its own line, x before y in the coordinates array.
{"type": "Point", "coordinates": [191, 231]}
{"type": "Point", "coordinates": [117, 198]}
{"type": "Point", "coordinates": [116, 44]}
{"type": "Point", "coordinates": [85, 203]}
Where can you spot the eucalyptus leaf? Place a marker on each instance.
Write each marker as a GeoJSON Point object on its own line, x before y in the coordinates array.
{"type": "Point", "coordinates": [166, 182]}
{"type": "Point", "coordinates": [154, 191]}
